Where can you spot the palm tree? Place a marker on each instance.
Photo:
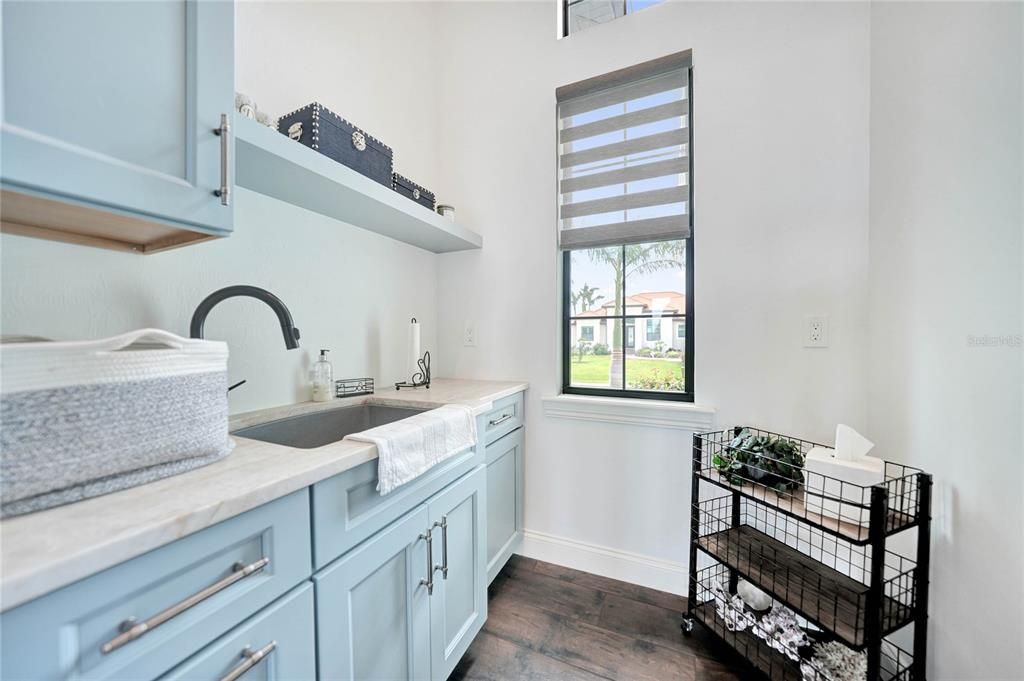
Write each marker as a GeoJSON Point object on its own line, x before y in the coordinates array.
{"type": "Point", "coordinates": [637, 259]}
{"type": "Point", "coordinates": [586, 298]}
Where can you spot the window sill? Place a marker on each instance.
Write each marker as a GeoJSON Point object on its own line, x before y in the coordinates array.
{"type": "Point", "coordinates": [651, 413]}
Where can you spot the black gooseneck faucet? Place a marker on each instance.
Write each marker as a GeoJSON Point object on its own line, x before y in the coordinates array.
{"type": "Point", "coordinates": [291, 334]}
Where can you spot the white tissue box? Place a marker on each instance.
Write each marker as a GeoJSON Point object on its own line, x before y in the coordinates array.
{"type": "Point", "coordinates": [822, 495]}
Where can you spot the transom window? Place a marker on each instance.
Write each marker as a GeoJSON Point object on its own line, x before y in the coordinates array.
{"type": "Point", "coordinates": [625, 229]}
{"type": "Point", "coordinates": [578, 15]}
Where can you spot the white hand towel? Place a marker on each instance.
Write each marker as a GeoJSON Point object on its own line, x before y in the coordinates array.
{"type": "Point", "coordinates": [407, 448]}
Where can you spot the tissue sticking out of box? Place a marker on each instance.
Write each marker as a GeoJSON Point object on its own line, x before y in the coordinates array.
{"type": "Point", "coordinates": [827, 469]}
{"type": "Point", "coordinates": [851, 445]}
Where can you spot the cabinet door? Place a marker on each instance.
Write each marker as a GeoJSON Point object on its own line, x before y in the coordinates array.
{"type": "Point", "coordinates": [373, 615]}
{"type": "Point", "coordinates": [458, 606]}
{"type": "Point", "coordinates": [111, 104]}
{"type": "Point", "coordinates": [504, 500]}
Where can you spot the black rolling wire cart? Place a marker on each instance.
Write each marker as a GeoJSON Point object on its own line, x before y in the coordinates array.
{"type": "Point", "coordinates": [820, 549]}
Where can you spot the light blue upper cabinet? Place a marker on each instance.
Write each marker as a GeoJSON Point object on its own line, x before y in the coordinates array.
{"type": "Point", "coordinates": [109, 116]}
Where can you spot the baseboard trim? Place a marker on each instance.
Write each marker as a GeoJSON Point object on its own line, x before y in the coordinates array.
{"type": "Point", "coordinates": [626, 566]}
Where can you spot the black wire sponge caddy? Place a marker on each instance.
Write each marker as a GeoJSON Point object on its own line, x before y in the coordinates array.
{"type": "Point", "coordinates": [420, 379]}
{"type": "Point", "coordinates": [816, 545]}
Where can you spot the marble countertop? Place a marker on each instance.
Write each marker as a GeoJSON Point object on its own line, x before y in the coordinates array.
{"type": "Point", "coordinates": [41, 552]}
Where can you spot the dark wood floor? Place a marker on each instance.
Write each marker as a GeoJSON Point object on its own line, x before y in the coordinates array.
{"type": "Point", "coordinates": [549, 622]}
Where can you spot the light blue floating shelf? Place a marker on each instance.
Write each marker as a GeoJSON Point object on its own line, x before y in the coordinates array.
{"type": "Point", "coordinates": [269, 163]}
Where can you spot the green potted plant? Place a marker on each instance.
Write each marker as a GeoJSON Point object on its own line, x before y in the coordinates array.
{"type": "Point", "coordinates": [770, 461]}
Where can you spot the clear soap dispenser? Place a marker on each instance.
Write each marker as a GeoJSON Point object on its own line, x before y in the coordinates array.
{"type": "Point", "coordinates": [323, 379]}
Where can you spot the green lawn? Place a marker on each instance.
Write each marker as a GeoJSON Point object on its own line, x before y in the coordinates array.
{"type": "Point", "coordinates": [593, 370]}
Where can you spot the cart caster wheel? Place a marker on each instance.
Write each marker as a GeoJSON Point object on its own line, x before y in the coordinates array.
{"type": "Point", "coordinates": [687, 626]}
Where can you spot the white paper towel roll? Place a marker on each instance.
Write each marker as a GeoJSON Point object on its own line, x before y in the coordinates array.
{"type": "Point", "coordinates": [414, 349]}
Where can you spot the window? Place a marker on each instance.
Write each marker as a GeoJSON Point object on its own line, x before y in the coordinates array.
{"type": "Point", "coordinates": [625, 230]}
{"type": "Point", "coordinates": [578, 15]}
{"type": "Point", "coordinates": [642, 284]}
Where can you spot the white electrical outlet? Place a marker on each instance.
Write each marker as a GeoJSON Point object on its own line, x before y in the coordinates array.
{"type": "Point", "coordinates": [469, 335]}
{"type": "Point", "coordinates": [816, 331]}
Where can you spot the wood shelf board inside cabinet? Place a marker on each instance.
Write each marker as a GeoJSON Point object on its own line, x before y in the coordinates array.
{"type": "Point", "coordinates": [270, 163]}
{"type": "Point", "coordinates": [70, 222]}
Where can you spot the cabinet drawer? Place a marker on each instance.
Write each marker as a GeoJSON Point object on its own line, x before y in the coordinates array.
{"type": "Point", "coordinates": [504, 417]}
{"type": "Point", "coordinates": [348, 509]}
{"type": "Point", "coordinates": [276, 644]}
{"type": "Point", "coordinates": [189, 592]}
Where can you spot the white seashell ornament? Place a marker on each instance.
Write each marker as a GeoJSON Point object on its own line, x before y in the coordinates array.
{"type": "Point", "coordinates": [752, 596]}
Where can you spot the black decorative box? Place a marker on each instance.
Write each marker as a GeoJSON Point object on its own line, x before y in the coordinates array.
{"type": "Point", "coordinates": [406, 187]}
{"type": "Point", "coordinates": [321, 129]}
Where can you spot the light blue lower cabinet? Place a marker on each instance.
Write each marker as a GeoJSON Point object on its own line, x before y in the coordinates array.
{"type": "Point", "coordinates": [504, 460]}
{"type": "Point", "coordinates": [402, 603]}
{"type": "Point", "coordinates": [83, 631]}
{"type": "Point", "coordinates": [389, 610]}
{"type": "Point", "coordinates": [458, 606]}
{"type": "Point", "coordinates": [277, 644]}
{"type": "Point", "coordinates": [373, 612]}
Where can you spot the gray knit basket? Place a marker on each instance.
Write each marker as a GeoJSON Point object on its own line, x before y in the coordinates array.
{"type": "Point", "coordinates": [85, 418]}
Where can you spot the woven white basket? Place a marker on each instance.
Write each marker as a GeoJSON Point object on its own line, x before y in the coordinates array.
{"type": "Point", "coordinates": [83, 418]}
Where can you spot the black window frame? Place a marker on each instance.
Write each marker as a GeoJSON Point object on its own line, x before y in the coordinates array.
{"type": "Point", "coordinates": [687, 395]}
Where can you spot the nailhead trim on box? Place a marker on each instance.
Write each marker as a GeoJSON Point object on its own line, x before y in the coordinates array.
{"type": "Point", "coordinates": [317, 108]}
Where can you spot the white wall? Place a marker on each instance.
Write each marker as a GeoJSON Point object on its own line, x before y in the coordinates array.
{"type": "Point", "coordinates": [349, 290]}
{"type": "Point", "coordinates": [946, 239]}
{"type": "Point", "coordinates": [781, 176]}
{"type": "Point", "coordinates": [373, 63]}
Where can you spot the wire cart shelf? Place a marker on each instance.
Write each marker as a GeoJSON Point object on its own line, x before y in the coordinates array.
{"type": "Point", "coordinates": [818, 546]}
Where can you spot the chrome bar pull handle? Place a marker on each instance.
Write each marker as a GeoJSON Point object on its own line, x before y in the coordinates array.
{"type": "Point", "coordinates": [250, 658]}
{"type": "Point", "coordinates": [224, 132]}
{"type": "Point", "coordinates": [443, 567]}
{"type": "Point", "coordinates": [429, 581]}
{"type": "Point", "coordinates": [498, 422]}
{"type": "Point", "coordinates": [131, 629]}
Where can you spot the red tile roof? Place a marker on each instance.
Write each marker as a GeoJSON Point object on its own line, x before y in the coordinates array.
{"type": "Point", "coordinates": [666, 302]}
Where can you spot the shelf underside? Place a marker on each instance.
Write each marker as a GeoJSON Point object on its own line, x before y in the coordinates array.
{"type": "Point", "coordinates": [792, 504]}
{"type": "Point", "coordinates": [75, 222]}
{"type": "Point", "coordinates": [832, 600]}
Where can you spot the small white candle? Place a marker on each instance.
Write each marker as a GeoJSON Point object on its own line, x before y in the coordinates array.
{"type": "Point", "coordinates": [414, 349]}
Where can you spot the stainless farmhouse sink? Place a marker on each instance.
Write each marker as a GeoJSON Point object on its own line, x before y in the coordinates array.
{"type": "Point", "coordinates": [324, 427]}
